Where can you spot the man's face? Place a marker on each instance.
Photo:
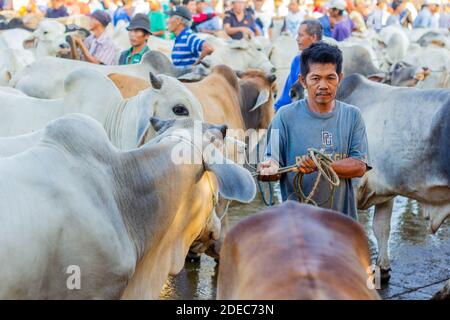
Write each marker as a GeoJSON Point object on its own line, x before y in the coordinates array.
{"type": "Point", "coordinates": [173, 23]}
{"type": "Point", "coordinates": [321, 82]}
{"type": "Point", "coordinates": [192, 6]}
{"type": "Point", "coordinates": [293, 6]}
{"type": "Point", "coordinates": [238, 6]}
{"type": "Point", "coordinates": [93, 24]}
{"type": "Point", "coordinates": [258, 4]}
{"type": "Point", "coordinates": [334, 12]}
{"type": "Point", "coordinates": [137, 37]}
{"type": "Point", "coordinates": [433, 8]}
{"type": "Point", "coordinates": [304, 39]}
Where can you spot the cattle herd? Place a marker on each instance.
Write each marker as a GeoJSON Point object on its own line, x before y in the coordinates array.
{"type": "Point", "coordinates": [87, 184]}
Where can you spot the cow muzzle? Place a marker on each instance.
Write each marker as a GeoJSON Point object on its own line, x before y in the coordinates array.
{"type": "Point", "coordinates": [209, 235]}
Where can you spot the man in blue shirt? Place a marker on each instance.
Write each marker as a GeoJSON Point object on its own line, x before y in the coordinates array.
{"type": "Point", "coordinates": [426, 17]}
{"type": "Point", "coordinates": [323, 123]}
{"type": "Point", "coordinates": [326, 24]}
{"type": "Point", "coordinates": [188, 49]}
{"type": "Point", "coordinates": [309, 32]}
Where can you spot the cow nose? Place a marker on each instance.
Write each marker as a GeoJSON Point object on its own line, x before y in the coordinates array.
{"type": "Point", "coordinates": [64, 46]}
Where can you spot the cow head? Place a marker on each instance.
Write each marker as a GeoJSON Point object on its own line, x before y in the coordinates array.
{"type": "Point", "coordinates": [167, 99]}
{"type": "Point", "coordinates": [257, 107]}
{"type": "Point", "coordinates": [48, 39]}
{"type": "Point", "coordinates": [297, 92]}
{"type": "Point", "coordinates": [401, 74]}
{"type": "Point", "coordinates": [254, 55]}
{"type": "Point", "coordinates": [216, 175]}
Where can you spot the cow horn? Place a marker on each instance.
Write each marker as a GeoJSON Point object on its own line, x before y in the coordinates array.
{"type": "Point", "coordinates": [156, 83]}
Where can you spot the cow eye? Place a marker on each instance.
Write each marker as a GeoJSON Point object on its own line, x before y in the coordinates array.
{"type": "Point", "coordinates": [180, 110]}
{"type": "Point", "coordinates": [45, 32]}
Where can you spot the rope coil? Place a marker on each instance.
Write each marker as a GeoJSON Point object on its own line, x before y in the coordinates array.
{"type": "Point", "coordinates": [324, 170]}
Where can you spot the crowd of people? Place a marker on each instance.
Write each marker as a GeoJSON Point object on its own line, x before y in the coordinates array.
{"type": "Point", "coordinates": [180, 20]}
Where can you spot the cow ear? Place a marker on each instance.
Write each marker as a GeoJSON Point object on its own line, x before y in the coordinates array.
{"type": "Point", "coordinates": [30, 42]}
{"type": "Point", "coordinates": [235, 183]}
{"type": "Point", "coordinates": [263, 97]}
{"type": "Point", "coordinates": [377, 77]}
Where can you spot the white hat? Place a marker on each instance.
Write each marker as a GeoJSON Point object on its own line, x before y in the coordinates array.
{"type": "Point", "coordinates": [309, 2]}
{"type": "Point", "coordinates": [340, 4]}
{"type": "Point", "coordinates": [436, 2]}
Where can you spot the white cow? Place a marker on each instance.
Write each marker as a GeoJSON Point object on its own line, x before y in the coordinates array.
{"type": "Point", "coordinates": [47, 40]}
{"type": "Point", "coordinates": [437, 60]}
{"type": "Point", "coordinates": [19, 47]}
{"type": "Point", "coordinates": [239, 54]}
{"type": "Point", "coordinates": [45, 77]}
{"type": "Point", "coordinates": [281, 54]}
{"type": "Point", "coordinates": [89, 92]}
{"type": "Point", "coordinates": [74, 205]}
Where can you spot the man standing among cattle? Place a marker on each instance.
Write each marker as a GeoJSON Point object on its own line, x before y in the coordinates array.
{"type": "Point", "coordinates": [98, 48]}
{"type": "Point", "coordinates": [319, 122]}
{"type": "Point", "coordinates": [309, 32]}
{"type": "Point", "coordinates": [188, 49]}
{"type": "Point", "coordinates": [139, 32]}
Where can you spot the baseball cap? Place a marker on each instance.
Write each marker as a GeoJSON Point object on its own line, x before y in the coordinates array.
{"type": "Point", "coordinates": [181, 11]}
{"type": "Point", "coordinates": [101, 16]}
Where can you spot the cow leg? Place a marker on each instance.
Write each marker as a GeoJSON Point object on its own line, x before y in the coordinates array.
{"type": "Point", "coordinates": [382, 229]}
{"type": "Point", "coordinates": [444, 293]}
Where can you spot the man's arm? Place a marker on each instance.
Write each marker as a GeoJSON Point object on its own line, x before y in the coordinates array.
{"type": "Point", "coordinates": [206, 51]}
{"type": "Point", "coordinates": [87, 56]}
{"type": "Point", "coordinates": [349, 168]}
{"type": "Point", "coordinates": [233, 30]}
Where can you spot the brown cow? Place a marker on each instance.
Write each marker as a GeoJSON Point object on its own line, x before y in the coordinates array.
{"type": "Point", "coordinates": [245, 103]}
{"type": "Point", "coordinates": [295, 251]}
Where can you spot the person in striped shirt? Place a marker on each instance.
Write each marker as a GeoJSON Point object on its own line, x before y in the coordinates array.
{"type": "Point", "coordinates": [188, 49]}
{"type": "Point", "coordinates": [98, 48]}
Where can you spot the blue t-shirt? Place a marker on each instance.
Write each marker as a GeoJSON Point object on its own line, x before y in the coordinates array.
{"type": "Point", "coordinates": [186, 49]}
{"type": "Point", "coordinates": [325, 22]}
{"type": "Point", "coordinates": [291, 79]}
{"type": "Point", "coordinates": [340, 134]}
{"type": "Point", "coordinates": [423, 19]}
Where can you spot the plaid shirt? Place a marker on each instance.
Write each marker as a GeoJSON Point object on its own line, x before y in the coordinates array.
{"type": "Point", "coordinates": [102, 48]}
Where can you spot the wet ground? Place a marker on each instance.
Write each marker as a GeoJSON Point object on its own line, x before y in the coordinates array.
{"type": "Point", "coordinates": [420, 261]}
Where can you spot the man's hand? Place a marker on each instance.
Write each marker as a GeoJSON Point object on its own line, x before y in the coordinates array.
{"type": "Point", "coordinates": [247, 31]}
{"type": "Point", "coordinates": [306, 165]}
{"type": "Point", "coordinates": [268, 170]}
{"type": "Point", "coordinates": [77, 40]}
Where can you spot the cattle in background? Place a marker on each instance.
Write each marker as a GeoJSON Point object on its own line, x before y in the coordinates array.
{"type": "Point", "coordinates": [295, 251]}
{"type": "Point", "coordinates": [108, 213]}
{"type": "Point", "coordinates": [45, 78]}
{"type": "Point", "coordinates": [408, 132]}
{"type": "Point", "coordinates": [89, 92]}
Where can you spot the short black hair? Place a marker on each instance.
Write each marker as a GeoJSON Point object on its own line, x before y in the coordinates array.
{"type": "Point", "coordinates": [320, 52]}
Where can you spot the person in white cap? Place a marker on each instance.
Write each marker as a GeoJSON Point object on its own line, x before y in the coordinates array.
{"type": "Point", "coordinates": [428, 16]}
{"type": "Point", "coordinates": [343, 25]}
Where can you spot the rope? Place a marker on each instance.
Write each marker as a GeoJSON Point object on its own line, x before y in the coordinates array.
{"type": "Point", "coordinates": [267, 203]}
{"type": "Point", "coordinates": [324, 169]}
